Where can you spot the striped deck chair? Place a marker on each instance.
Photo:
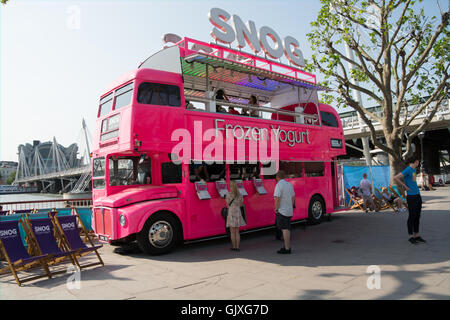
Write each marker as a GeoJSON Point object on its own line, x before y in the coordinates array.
{"type": "Point", "coordinates": [16, 255]}
{"type": "Point", "coordinates": [382, 201]}
{"type": "Point", "coordinates": [394, 190]}
{"type": "Point", "coordinates": [42, 238]}
{"type": "Point", "coordinates": [68, 231]}
{"type": "Point", "coordinates": [85, 215]}
{"type": "Point", "coordinates": [357, 203]}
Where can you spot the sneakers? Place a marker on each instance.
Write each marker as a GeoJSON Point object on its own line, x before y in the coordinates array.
{"type": "Point", "coordinates": [284, 251]}
{"type": "Point", "coordinates": [413, 241]}
{"type": "Point", "coordinates": [419, 239]}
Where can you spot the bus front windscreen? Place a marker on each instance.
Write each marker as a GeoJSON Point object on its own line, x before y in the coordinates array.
{"type": "Point", "coordinates": [127, 171]}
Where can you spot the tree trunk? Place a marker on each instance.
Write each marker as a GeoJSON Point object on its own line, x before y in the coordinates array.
{"type": "Point", "coordinates": [396, 165]}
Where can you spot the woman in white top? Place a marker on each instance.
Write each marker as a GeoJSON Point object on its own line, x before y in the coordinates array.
{"type": "Point", "coordinates": [235, 220]}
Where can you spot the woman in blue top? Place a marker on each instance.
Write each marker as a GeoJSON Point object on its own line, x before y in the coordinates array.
{"type": "Point", "coordinates": [413, 199]}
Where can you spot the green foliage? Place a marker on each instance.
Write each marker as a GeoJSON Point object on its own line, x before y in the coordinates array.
{"type": "Point", "coordinates": [399, 55]}
{"type": "Point", "coordinates": [11, 178]}
{"type": "Point", "coordinates": [4, 1]}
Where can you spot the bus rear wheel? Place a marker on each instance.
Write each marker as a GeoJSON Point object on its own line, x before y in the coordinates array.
{"type": "Point", "coordinates": [160, 234]}
{"type": "Point", "coordinates": [316, 210]}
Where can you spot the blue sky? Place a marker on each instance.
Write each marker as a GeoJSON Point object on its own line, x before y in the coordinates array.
{"type": "Point", "coordinates": [56, 57]}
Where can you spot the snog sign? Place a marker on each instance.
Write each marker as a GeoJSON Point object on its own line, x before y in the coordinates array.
{"type": "Point", "coordinates": [228, 28]}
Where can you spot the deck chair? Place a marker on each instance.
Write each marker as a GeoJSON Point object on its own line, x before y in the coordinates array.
{"type": "Point", "coordinates": [380, 200]}
{"type": "Point", "coordinates": [85, 215]}
{"type": "Point", "coordinates": [357, 203]}
{"type": "Point", "coordinates": [395, 190]}
{"type": "Point", "coordinates": [68, 230]}
{"type": "Point", "coordinates": [16, 255]}
{"type": "Point", "coordinates": [42, 239]}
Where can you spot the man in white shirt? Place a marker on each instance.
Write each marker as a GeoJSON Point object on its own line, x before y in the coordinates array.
{"type": "Point", "coordinates": [366, 191]}
{"type": "Point", "coordinates": [284, 208]}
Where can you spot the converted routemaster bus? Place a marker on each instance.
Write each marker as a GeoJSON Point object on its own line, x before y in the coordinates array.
{"type": "Point", "coordinates": [166, 147]}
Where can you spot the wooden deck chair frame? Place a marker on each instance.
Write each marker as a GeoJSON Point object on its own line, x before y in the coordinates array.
{"type": "Point", "coordinates": [405, 203]}
{"type": "Point", "coordinates": [390, 205]}
{"type": "Point", "coordinates": [80, 254]}
{"type": "Point", "coordinates": [382, 203]}
{"type": "Point", "coordinates": [14, 268]}
{"type": "Point", "coordinates": [84, 231]}
{"type": "Point", "coordinates": [37, 250]}
{"type": "Point", "coordinates": [355, 201]}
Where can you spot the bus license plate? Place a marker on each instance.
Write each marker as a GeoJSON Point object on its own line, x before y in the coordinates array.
{"type": "Point", "coordinates": [103, 238]}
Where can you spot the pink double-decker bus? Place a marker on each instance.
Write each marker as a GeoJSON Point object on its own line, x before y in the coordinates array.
{"type": "Point", "coordinates": [168, 142]}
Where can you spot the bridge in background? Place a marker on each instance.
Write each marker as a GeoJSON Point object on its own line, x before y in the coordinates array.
{"type": "Point", "coordinates": [54, 172]}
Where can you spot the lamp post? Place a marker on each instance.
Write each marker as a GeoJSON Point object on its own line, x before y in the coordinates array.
{"type": "Point", "coordinates": [422, 167]}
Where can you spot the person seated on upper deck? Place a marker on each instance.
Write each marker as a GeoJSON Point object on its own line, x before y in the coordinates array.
{"type": "Point", "coordinates": [232, 111]}
{"type": "Point", "coordinates": [189, 105]}
{"type": "Point", "coordinates": [253, 101]}
{"type": "Point", "coordinates": [220, 95]}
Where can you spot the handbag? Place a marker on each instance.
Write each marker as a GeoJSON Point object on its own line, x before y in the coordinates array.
{"type": "Point", "coordinates": [243, 213]}
{"type": "Point", "coordinates": [224, 211]}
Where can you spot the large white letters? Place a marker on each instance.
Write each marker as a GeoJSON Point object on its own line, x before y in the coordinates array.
{"type": "Point", "coordinates": [257, 40]}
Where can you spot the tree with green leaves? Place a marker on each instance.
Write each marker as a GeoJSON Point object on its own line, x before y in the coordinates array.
{"type": "Point", "coordinates": [11, 178]}
{"type": "Point", "coordinates": [392, 54]}
{"type": "Point", "coordinates": [4, 1]}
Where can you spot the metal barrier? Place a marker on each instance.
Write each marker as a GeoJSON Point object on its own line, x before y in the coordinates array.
{"type": "Point", "coordinates": [45, 204]}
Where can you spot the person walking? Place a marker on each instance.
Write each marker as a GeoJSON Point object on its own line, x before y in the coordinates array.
{"type": "Point", "coordinates": [366, 191]}
{"type": "Point", "coordinates": [234, 201]}
{"type": "Point", "coordinates": [407, 178]}
{"type": "Point", "coordinates": [284, 197]}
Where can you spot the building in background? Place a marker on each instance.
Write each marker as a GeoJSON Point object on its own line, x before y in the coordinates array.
{"type": "Point", "coordinates": [6, 169]}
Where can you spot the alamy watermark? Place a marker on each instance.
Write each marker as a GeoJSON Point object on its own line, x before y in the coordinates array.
{"type": "Point", "coordinates": [374, 280]}
{"type": "Point", "coordinates": [73, 20]}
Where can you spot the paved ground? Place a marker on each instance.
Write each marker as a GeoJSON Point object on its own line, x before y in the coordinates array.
{"type": "Point", "coordinates": [329, 261]}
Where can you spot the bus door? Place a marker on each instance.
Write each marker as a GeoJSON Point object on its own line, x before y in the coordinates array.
{"type": "Point", "coordinates": [338, 188]}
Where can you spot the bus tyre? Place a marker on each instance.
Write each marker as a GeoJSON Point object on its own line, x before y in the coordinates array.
{"type": "Point", "coordinates": [316, 210]}
{"type": "Point", "coordinates": [159, 235]}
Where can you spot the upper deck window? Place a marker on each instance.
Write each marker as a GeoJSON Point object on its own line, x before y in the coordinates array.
{"type": "Point", "coordinates": [123, 96]}
{"type": "Point", "coordinates": [106, 105]}
{"type": "Point", "coordinates": [159, 94]}
{"type": "Point", "coordinates": [328, 119]}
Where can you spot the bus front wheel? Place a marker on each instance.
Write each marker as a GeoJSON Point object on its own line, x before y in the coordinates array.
{"type": "Point", "coordinates": [316, 210]}
{"type": "Point", "coordinates": [159, 235]}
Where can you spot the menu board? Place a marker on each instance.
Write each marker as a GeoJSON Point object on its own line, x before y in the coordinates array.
{"type": "Point", "coordinates": [222, 188]}
{"type": "Point", "coordinates": [241, 188]}
{"type": "Point", "coordinates": [259, 186]}
{"type": "Point", "coordinates": [202, 190]}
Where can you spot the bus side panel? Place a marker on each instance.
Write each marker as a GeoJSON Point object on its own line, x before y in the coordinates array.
{"type": "Point", "coordinates": [138, 214]}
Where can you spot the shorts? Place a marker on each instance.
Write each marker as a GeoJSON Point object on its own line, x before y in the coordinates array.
{"type": "Point", "coordinates": [367, 197]}
{"type": "Point", "coordinates": [283, 222]}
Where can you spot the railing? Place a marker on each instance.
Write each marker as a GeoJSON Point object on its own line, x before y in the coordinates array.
{"type": "Point", "coordinates": [45, 204]}
{"type": "Point", "coordinates": [308, 118]}
{"type": "Point", "coordinates": [443, 110]}
{"type": "Point", "coordinates": [246, 59]}
{"type": "Point", "coordinates": [55, 175]}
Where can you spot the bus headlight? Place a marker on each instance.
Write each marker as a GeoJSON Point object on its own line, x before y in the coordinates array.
{"type": "Point", "coordinates": [122, 220]}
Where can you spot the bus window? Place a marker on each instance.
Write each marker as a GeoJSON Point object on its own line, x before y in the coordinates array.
{"type": "Point", "coordinates": [159, 94]}
{"type": "Point", "coordinates": [328, 119]}
{"type": "Point", "coordinates": [123, 96]}
{"type": "Point", "coordinates": [98, 167]}
{"type": "Point", "coordinates": [125, 171]}
{"type": "Point", "coordinates": [106, 105]}
{"type": "Point", "coordinates": [314, 169]}
{"type": "Point", "coordinates": [245, 171]}
{"type": "Point", "coordinates": [171, 173]}
{"type": "Point", "coordinates": [210, 173]}
{"type": "Point", "coordinates": [292, 169]}
{"type": "Point", "coordinates": [98, 183]}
